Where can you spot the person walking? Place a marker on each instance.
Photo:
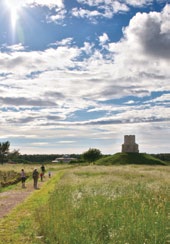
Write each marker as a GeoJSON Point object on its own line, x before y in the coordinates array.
{"type": "Point", "coordinates": [35, 176]}
{"type": "Point", "coordinates": [42, 171]}
{"type": "Point", "coordinates": [49, 174]}
{"type": "Point", "coordinates": [23, 178]}
{"type": "Point", "coordinates": [43, 168]}
{"type": "Point", "coordinates": [41, 176]}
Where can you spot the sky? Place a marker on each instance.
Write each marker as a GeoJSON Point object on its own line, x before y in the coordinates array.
{"type": "Point", "coordinates": [80, 74]}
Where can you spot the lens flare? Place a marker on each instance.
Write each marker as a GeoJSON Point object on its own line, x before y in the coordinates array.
{"type": "Point", "coordinates": [14, 7]}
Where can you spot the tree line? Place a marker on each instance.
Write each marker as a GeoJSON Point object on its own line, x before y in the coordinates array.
{"type": "Point", "coordinates": [91, 155]}
{"type": "Point", "coordinates": [15, 157]}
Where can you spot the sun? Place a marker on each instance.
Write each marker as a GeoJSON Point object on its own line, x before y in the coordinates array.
{"type": "Point", "coordinates": [14, 7]}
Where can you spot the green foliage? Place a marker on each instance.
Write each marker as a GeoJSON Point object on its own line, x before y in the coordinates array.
{"type": "Point", "coordinates": [14, 155]}
{"type": "Point", "coordinates": [92, 155]}
{"type": "Point", "coordinates": [130, 158]}
{"type": "Point", "coordinates": [40, 158]}
{"type": "Point", "coordinates": [162, 156]}
{"type": "Point", "coordinates": [4, 150]}
{"type": "Point", "coordinates": [6, 155]}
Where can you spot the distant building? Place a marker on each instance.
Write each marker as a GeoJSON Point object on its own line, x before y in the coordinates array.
{"type": "Point", "coordinates": [11, 162]}
{"type": "Point", "coordinates": [63, 159]}
{"type": "Point", "coordinates": [129, 144]}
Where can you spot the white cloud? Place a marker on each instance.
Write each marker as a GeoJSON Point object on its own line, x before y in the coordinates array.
{"type": "Point", "coordinates": [21, 3]}
{"type": "Point", "coordinates": [143, 54]}
{"type": "Point", "coordinates": [165, 25]}
{"type": "Point", "coordinates": [88, 48]}
{"type": "Point", "coordinates": [104, 9]}
{"type": "Point", "coordinates": [49, 3]}
{"type": "Point", "coordinates": [163, 98]}
{"type": "Point", "coordinates": [103, 39]}
{"type": "Point", "coordinates": [41, 91]}
{"type": "Point", "coordinates": [150, 33]}
{"type": "Point", "coordinates": [64, 42]}
{"type": "Point", "coordinates": [39, 144]}
{"type": "Point", "coordinates": [51, 68]}
{"type": "Point", "coordinates": [66, 142]}
{"type": "Point", "coordinates": [22, 63]}
{"type": "Point", "coordinates": [58, 16]}
{"type": "Point", "coordinates": [148, 30]}
{"type": "Point", "coordinates": [115, 5]}
{"type": "Point", "coordinates": [138, 3]}
{"type": "Point", "coordinates": [85, 13]}
{"type": "Point", "coordinates": [57, 6]}
{"type": "Point", "coordinates": [16, 47]}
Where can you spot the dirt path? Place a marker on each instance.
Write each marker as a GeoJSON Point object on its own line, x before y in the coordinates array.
{"type": "Point", "coordinates": [11, 198]}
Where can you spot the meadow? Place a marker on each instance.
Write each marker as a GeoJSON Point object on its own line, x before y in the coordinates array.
{"type": "Point", "coordinates": [108, 204]}
{"type": "Point", "coordinates": [92, 204]}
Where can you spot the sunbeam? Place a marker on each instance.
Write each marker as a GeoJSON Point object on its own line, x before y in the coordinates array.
{"type": "Point", "coordinates": [14, 7]}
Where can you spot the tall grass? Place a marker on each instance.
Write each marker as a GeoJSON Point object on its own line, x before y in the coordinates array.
{"type": "Point", "coordinates": [95, 205]}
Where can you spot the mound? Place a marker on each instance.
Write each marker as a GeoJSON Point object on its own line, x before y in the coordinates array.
{"type": "Point", "coordinates": [130, 158]}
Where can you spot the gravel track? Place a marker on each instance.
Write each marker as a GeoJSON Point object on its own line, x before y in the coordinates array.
{"type": "Point", "coordinates": [11, 198]}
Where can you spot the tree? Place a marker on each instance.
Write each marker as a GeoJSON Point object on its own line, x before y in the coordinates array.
{"type": "Point", "coordinates": [14, 155]}
{"type": "Point", "coordinates": [92, 155]}
{"type": "Point", "coordinates": [4, 150]}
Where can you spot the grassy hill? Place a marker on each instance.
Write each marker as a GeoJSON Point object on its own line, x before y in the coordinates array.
{"type": "Point", "coordinates": [130, 158]}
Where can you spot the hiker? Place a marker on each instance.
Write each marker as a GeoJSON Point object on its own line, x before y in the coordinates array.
{"type": "Point", "coordinates": [49, 174]}
{"type": "Point", "coordinates": [41, 176]}
{"type": "Point", "coordinates": [42, 170]}
{"type": "Point", "coordinates": [23, 178]}
{"type": "Point", "coordinates": [35, 176]}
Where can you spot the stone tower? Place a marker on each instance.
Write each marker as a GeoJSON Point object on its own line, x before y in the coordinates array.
{"type": "Point", "coordinates": [129, 144]}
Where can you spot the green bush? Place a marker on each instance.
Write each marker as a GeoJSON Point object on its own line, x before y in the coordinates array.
{"type": "Point", "coordinates": [92, 155]}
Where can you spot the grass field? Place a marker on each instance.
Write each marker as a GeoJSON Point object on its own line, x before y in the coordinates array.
{"type": "Point", "coordinates": [98, 205]}
{"type": "Point", "coordinates": [115, 204]}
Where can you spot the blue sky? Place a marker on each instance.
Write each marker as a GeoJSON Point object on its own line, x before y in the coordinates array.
{"type": "Point", "coordinates": [80, 74]}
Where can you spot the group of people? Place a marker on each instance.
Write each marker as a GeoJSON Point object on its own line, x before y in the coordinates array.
{"type": "Point", "coordinates": [35, 176]}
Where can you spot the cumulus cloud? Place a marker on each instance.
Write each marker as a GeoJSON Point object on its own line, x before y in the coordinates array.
{"type": "Point", "coordinates": [26, 62]}
{"type": "Point", "coordinates": [148, 34]}
{"type": "Point", "coordinates": [143, 53]}
{"type": "Point", "coordinates": [153, 35]}
{"type": "Point", "coordinates": [105, 9]}
{"type": "Point", "coordinates": [57, 73]}
{"type": "Point", "coordinates": [48, 89]}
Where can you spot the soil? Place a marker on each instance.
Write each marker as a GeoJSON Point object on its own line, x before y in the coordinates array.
{"type": "Point", "coordinates": [11, 198]}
